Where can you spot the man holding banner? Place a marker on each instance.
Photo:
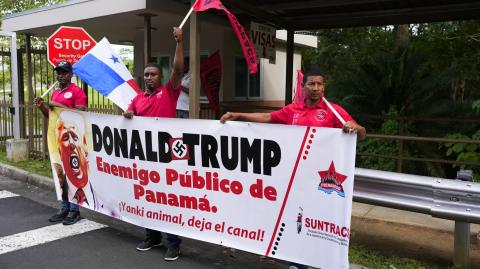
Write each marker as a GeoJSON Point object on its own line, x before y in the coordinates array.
{"type": "Point", "coordinates": [160, 101]}
{"type": "Point", "coordinates": [315, 111]}
{"type": "Point", "coordinates": [266, 189]}
{"type": "Point", "coordinates": [71, 96]}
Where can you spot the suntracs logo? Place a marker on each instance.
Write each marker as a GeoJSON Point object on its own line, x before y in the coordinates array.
{"type": "Point", "coordinates": [331, 180]}
{"type": "Point", "coordinates": [321, 114]}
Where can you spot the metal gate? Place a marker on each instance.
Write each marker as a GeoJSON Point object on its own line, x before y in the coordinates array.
{"type": "Point", "coordinates": [35, 75]}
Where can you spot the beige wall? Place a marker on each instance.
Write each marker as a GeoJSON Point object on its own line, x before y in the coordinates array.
{"type": "Point", "coordinates": [272, 76]}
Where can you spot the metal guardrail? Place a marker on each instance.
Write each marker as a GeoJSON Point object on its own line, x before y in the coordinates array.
{"type": "Point", "coordinates": [438, 197]}
{"type": "Point", "coordinates": [442, 198]}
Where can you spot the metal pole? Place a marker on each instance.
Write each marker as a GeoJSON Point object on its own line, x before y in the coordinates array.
{"type": "Point", "coordinates": [289, 67]}
{"type": "Point", "coordinates": [461, 244]}
{"type": "Point", "coordinates": [15, 98]}
{"type": "Point", "coordinates": [400, 147]}
{"type": "Point", "coordinates": [194, 91]}
{"type": "Point", "coordinates": [28, 51]}
{"type": "Point", "coordinates": [147, 38]}
{"type": "Point", "coordinates": [21, 95]}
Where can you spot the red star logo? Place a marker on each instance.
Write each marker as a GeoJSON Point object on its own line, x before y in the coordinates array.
{"type": "Point", "coordinates": [332, 175]}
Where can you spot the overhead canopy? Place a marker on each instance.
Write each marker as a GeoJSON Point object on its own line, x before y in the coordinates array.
{"type": "Point", "coordinates": [316, 14]}
{"type": "Point", "coordinates": [284, 14]}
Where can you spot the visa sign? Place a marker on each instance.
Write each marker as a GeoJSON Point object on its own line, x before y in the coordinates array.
{"type": "Point", "coordinates": [263, 39]}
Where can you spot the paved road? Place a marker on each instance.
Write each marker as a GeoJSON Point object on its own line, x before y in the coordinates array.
{"type": "Point", "coordinates": [28, 240]}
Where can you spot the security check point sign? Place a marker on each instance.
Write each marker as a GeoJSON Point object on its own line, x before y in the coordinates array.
{"type": "Point", "coordinates": [275, 190]}
{"type": "Point", "coordinates": [68, 44]}
{"type": "Point", "coordinates": [263, 39]}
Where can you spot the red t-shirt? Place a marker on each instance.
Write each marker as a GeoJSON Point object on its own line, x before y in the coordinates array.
{"type": "Point", "coordinates": [302, 114]}
{"type": "Point", "coordinates": [161, 103]}
{"type": "Point", "coordinates": [71, 97]}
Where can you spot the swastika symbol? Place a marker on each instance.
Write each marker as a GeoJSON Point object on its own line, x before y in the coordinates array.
{"type": "Point", "coordinates": [75, 162]}
{"type": "Point", "coordinates": [179, 149]}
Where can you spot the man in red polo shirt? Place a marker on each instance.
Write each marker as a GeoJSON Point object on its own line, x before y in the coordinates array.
{"type": "Point", "coordinates": [313, 112]}
{"type": "Point", "coordinates": [71, 96]}
{"type": "Point", "coordinates": [160, 101]}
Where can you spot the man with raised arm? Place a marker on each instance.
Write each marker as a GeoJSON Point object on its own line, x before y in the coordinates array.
{"type": "Point", "coordinates": [160, 101]}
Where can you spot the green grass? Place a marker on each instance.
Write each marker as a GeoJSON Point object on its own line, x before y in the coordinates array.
{"type": "Point", "coordinates": [37, 166]}
{"type": "Point", "coordinates": [373, 259]}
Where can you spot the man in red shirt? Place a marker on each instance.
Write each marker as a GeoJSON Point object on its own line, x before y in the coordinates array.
{"type": "Point", "coordinates": [160, 101]}
{"type": "Point", "coordinates": [313, 112]}
{"type": "Point", "coordinates": [67, 95]}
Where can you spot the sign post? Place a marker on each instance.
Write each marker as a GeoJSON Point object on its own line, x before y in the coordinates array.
{"type": "Point", "coordinates": [263, 39]}
{"type": "Point", "coordinates": [68, 44]}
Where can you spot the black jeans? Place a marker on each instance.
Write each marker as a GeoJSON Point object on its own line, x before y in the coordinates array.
{"type": "Point", "coordinates": [156, 236]}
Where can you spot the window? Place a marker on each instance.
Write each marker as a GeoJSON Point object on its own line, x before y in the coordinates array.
{"type": "Point", "coordinates": [247, 86]}
{"type": "Point", "coordinates": [164, 62]}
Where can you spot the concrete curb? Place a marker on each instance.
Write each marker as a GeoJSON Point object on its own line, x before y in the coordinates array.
{"type": "Point", "coordinates": [27, 177]}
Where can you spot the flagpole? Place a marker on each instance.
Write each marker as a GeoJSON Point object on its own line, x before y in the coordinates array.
{"type": "Point", "coordinates": [334, 111]}
{"type": "Point", "coordinates": [186, 17]}
{"type": "Point", "coordinates": [49, 89]}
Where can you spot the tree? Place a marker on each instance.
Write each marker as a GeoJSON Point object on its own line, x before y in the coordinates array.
{"type": "Point", "coordinates": [14, 6]}
{"type": "Point", "coordinates": [454, 45]}
{"type": "Point", "coordinates": [401, 37]}
{"type": "Point", "coordinates": [126, 54]}
{"type": "Point", "coordinates": [422, 70]}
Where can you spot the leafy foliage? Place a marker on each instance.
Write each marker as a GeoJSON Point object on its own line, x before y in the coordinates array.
{"type": "Point", "coordinates": [14, 6]}
{"type": "Point", "coordinates": [126, 54]}
{"type": "Point", "coordinates": [434, 76]}
{"type": "Point", "coordinates": [381, 147]}
{"type": "Point", "coordinates": [466, 152]}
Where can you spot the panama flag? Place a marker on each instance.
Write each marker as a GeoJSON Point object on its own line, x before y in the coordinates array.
{"type": "Point", "coordinates": [103, 70]}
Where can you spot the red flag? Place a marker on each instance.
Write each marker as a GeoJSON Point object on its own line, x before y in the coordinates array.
{"type": "Point", "coordinates": [299, 96]}
{"type": "Point", "coordinates": [211, 77]}
{"type": "Point", "coordinates": [247, 47]}
{"type": "Point", "coordinates": [202, 5]}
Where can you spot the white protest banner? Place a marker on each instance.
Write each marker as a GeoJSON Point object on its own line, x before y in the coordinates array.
{"type": "Point", "coordinates": [275, 190]}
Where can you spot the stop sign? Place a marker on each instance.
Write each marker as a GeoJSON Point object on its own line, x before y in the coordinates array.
{"type": "Point", "coordinates": [68, 44]}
